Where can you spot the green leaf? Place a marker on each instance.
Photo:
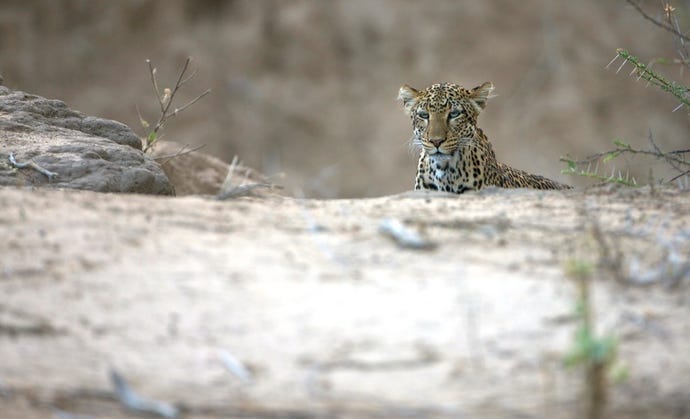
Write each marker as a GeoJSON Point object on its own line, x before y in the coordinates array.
{"type": "Point", "coordinates": [611, 156]}
{"type": "Point", "coordinates": [580, 268]}
{"type": "Point", "coordinates": [619, 373]}
{"type": "Point", "coordinates": [151, 138]}
{"type": "Point", "coordinates": [574, 357]}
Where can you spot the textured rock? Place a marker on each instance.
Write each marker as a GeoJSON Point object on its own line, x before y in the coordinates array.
{"type": "Point", "coordinates": [86, 152]}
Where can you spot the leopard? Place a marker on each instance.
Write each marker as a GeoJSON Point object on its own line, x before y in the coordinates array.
{"type": "Point", "coordinates": [456, 156]}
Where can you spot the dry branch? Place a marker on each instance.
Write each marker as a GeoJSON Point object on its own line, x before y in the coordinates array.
{"type": "Point", "coordinates": [32, 165]}
{"type": "Point", "coordinates": [657, 22]}
{"type": "Point", "coordinates": [165, 101]}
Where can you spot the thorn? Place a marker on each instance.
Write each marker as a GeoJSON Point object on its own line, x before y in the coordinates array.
{"type": "Point", "coordinates": [612, 61]}
{"type": "Point", "coordinates": [621, 66]}
{"type": "Point", "coordinates": [677, 107]}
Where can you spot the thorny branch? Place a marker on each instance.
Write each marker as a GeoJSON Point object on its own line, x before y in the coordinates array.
{"type": "Point", "coordinates": [674, 158]}
{"type": "Point", "coordinates": [645, 72]}
{"type": "Point", "coordinates": [625, 148]}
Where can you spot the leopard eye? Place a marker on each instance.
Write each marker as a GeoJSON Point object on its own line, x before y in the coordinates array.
{"type": "Point", "coordinates": [423, 114]}
{"type": "Point", "coordinates": [454, 114]}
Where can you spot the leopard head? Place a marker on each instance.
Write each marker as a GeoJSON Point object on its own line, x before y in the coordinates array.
{"type": "Point", "coordinates": [444, 115]}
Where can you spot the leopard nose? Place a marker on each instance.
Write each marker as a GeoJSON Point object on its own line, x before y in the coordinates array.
{"type": "Point", "coordinates": [436, 141]}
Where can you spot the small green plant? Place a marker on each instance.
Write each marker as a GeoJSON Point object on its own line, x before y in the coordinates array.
{"type": "Point", "coordinates": [597, 354]}
{"type": "Point", "coordinates": [165, 101]}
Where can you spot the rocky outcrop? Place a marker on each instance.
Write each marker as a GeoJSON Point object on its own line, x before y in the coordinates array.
{"type": "Point", "coordinates": [85, 152]}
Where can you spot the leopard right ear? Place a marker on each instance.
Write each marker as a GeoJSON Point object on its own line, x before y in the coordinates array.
{"type": "Point", "coordinates": [408, 96]}
{"type": "Point", "coordinates": [481, 94]}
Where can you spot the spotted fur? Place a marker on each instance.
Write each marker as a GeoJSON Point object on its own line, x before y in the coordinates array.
{"type": "Point", "coordinates": [455, 154]}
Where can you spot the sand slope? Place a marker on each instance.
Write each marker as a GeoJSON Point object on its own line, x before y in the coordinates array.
{"type": "Point", "coordinates": [330, 317]}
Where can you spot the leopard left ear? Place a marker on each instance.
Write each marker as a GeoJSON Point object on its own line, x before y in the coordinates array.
{"type": "Point", "coordinates": [481, 94]}
{"type": "Point", "coordinates": [408, 96]}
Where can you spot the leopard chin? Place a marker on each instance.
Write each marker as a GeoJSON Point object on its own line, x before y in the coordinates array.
{"type": "Point", "coordinates": [439, 160]}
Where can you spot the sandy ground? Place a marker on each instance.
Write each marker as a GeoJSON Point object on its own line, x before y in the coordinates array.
{"type": "Point", "coordinates": [329, 316]}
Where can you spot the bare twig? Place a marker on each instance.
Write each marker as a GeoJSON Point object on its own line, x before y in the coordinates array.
{"type": "Point", "coordinates": [243, 190]}
{"type": "Point", "coordinates": [672, 21]}
{"type": "Point", "coordinates": [229, 191]}
{"type": "Point", "coordinates": [671, 160]}
{"type": "Point", "coordinates": [188, 104]}
{"type": "Point", "coordinates": [671, 25]}
{"type": "Point", "coordinates": [610, 258]}
{"type": "Point", "coordinates": [32, 165]}
{"type": "Point", "coordinates": [658, 23]}
{"type": "Point", "coordinates": [165, 101]}
{"type": "Point", "coordinates": [191, 76]}
{"type": "Point", "coordinates": [154, 82]}
{"type": "Point", "coordinates": [687, 172]}
{"type": "Point", "coordinates": [180, 152]}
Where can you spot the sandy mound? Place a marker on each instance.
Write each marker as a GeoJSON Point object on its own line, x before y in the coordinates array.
{"type": "Point", "coordinates": [320, 314]}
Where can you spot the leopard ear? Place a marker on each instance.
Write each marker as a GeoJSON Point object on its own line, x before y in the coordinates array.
{"type": "Point", "coordinates": [408, 96]}
{"type": "Point", "coordinates": [481, 94]}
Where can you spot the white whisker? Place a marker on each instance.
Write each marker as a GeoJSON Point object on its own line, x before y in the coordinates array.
{"type": "Point", "coordinates": [414, 144]}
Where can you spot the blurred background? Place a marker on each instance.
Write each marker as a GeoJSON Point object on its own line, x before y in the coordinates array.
{"type": "Point", "coordinates": [308, 87]}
